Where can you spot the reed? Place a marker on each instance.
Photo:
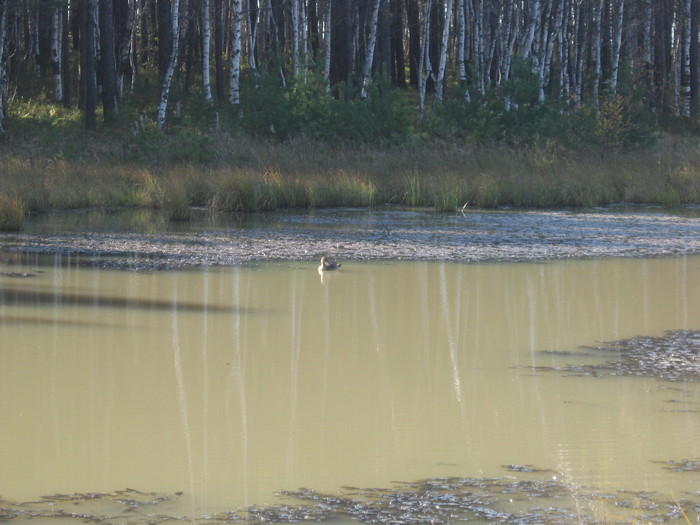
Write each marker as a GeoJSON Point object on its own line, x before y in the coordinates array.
{"type": "Point", "coordinates": [241, 174]}
{"type": "Point", "coordinates": [12, 213]}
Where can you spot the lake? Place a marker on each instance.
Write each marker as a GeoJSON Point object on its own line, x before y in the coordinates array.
{"type": "Point", "coordinates": [205, 391]}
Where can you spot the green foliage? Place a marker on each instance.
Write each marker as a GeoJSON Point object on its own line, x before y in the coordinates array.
{"type": "Point", "coordinates": [305, 109]}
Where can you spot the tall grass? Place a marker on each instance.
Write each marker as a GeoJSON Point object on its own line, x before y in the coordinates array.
{"type": "Point", "coordinates": [242, 174]}
{"type": "Point", "coordinates": [12, 213]}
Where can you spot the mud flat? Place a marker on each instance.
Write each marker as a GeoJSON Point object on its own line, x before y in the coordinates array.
{"type": "Point", "coordinates": [359, 234]}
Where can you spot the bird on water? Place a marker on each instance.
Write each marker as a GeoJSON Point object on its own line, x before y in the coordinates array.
{"type": "Point", "coordinates": [328, 265]}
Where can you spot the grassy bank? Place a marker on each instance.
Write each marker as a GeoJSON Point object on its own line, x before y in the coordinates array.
{"type": "Point", "coordinates": [47, 166]}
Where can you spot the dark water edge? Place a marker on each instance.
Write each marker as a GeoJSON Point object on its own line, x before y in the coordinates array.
{"type": "Point", "coordinates": [144, 240]}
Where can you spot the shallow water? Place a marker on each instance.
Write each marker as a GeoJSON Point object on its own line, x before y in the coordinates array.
{"type": "Point", "coordinates": [230, 384]}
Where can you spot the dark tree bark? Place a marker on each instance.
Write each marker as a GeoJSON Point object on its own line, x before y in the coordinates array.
{"type": "Point", "coordinates": [341, 47]}
{"type": "Point", "coordinates": [414, 47]}
{"type": "Point", "coordinates": [88, 62]}
{"type": "Point", "coordinates": [694, 60]}
{"type": "Point", "coordinates": [398, 69]}
{"type": "Point", "coordinates": [219, 78]}
{"type": "Point", "coordinates": [65, 62]}
{"type": "Point", "coordinates": [165, 36]}
{"type": "Point", "coordinates": [108, 66]}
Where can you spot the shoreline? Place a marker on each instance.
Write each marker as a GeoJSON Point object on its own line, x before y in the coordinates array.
{"type": "Point", "coordinates": [354, 234]}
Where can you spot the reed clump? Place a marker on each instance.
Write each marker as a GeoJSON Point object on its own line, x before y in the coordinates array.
{"type": "Point", "coordinates": [12, 213]}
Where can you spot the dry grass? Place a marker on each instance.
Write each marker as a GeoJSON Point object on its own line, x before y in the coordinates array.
{"type": "Point", "coordinates": [241, 174]}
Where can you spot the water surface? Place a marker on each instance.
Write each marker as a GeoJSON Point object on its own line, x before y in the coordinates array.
{"type": "Point", "coordinates": [229, 384]}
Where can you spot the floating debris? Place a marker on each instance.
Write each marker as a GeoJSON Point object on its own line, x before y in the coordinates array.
{"type": "Point", "coordinates": [685, 465]}
{"type": "Point", "coordinates": [535, 500]}
{"type": "Point", "coordinates": [673, 357]}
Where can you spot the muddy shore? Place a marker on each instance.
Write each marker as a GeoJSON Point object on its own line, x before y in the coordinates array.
{"type": "Point", "coordinates": [360, 234]}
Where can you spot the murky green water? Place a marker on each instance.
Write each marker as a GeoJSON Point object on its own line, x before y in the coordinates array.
{"type": "Point", "coordinates": [231, 384]}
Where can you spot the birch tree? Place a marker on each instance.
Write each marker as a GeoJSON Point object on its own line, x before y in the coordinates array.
{"type": "Point", "coordinates": [369, 55]}
{"type": "Point", "coordinates": [327, 40]}
{"type": "Point", "coordinates": [424, 66]}
{"type": "Point", "coordinates": [57, 53]}
{"type": "Point", "coordinates": [206, 51]}
{"type": "Point", "coordinates": [440, 80]}
{"type": "Point", "coordinates": [235, 74]}
{"type": "Point", "coordinates": [686, 36]}
{"type": "Point", "coordinates": [596, 51]}
{"type": "Point", "coordinates": [617, 30]}
{"type": "Point", "coordinates": [3, 67]}
{"type": "Point", "coordinates": [172, 65]}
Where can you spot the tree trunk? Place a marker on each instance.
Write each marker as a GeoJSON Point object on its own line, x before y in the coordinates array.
{"type": "Point", "coordinates": [253, 21]}
{"type": "Point", "coordinates": [219, 77]}
{"type": "Point", "coordinates": [369, 55]}
{"type": "Point", "coordinates": [440, 80]}
{"type": "Point", "coordinates": [648, 52]}
{"type": "Point", "coordinates": [296, 66]}
{"type": "Point", "coordinates": [694, 59]}
{"type": "Point", "coordinates": [414, 41]}
{"type": "Point", "coordinates": [424, 67]}
{"type": "Point", "coordinates": [235, 75]}
{"type": "Point", "coordinates": [618, 27]}
{"type": "Point", "coordinates": [327, 39]}
{"type": "Point", "coordinates": [461, 49]}
{"type": "Point", "coordinates": [685, 74]}
{"type": "Point", "coordinates": [165, 36]}
{"type": "Point", "coordinates": [3, 68]}
{"type": "Point", "coordinates": [56, 52]}
{"type": "Point", "coordinates": [172, 65]}
{"type": "Point", "coordinates": [206, 51]}
{"type": "Point", "coordinates": [87, 53]}
{"type": "Point", "coordinates": [397, 53]}
{"type": "Point", "coordinates": [108, 66]}
{"type": "Point", "coordinates": [532, 25]}
{"type": "Point", "coordinates": [595, 51]}
{"type": "Point", "coordinates": [65, 60]}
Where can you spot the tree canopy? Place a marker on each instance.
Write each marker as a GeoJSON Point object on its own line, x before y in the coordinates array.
{"type": "Point", "coordinates": [514, 53]}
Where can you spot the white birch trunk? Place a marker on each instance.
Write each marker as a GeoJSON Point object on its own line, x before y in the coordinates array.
{"type": "Point", "coordinates": [168, 80]}
{"type": "Point", "coordinates": [206, 51]}
{"type": "Point", "coordinates": [296, 66]}
{"type": "Point", "coordinates": [552, 37]}
{"type": "Point", "coordinates": [461, 50]}
{"type": "Point", "coordinates": [327, 33]}
{"type": "Point", "coordinates": [440, 81]}
{"type": "Point", "coordinates": [479, 46]}
{"type": "Point", "coordinates": [236, 33]}
{"type": "Point", "coordinates": [580, 37]}
{"type": "Point", "coordinates": [595, 51]}
{"type": "Point", "coordinates": [3, 69]}
{"type": "Point", "coordinates": [564, 49]}
{"type": "Point", "coordinates": [369, 56]}
{"type": "Point", "coordinates": [304, 27]}
{"type": "Point", "coordinates": [253, 35]}
{"type": "Point", "coordinates": [648, 51]}
{"type": "Point", "coordinates": [617, 44]}
{"type": "Point", "coordinates": [56, 53]}
{"type": "Point", "coordinates": [532, 25]}
{"type": "Point", "coordinates": [424, 66]}
{"type": "Point", "coordinates": [685, 88]}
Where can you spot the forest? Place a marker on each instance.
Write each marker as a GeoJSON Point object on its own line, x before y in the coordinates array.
{"type": "Point", "coordinates": [507, 55]}
{"type": "Point", "coordinates": [246, 105]}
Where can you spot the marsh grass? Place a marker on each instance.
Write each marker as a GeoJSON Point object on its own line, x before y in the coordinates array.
{"type": "Point", "coordinates": [242, 174]}
{"type": "Point", "coordinates": [12, 213]}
